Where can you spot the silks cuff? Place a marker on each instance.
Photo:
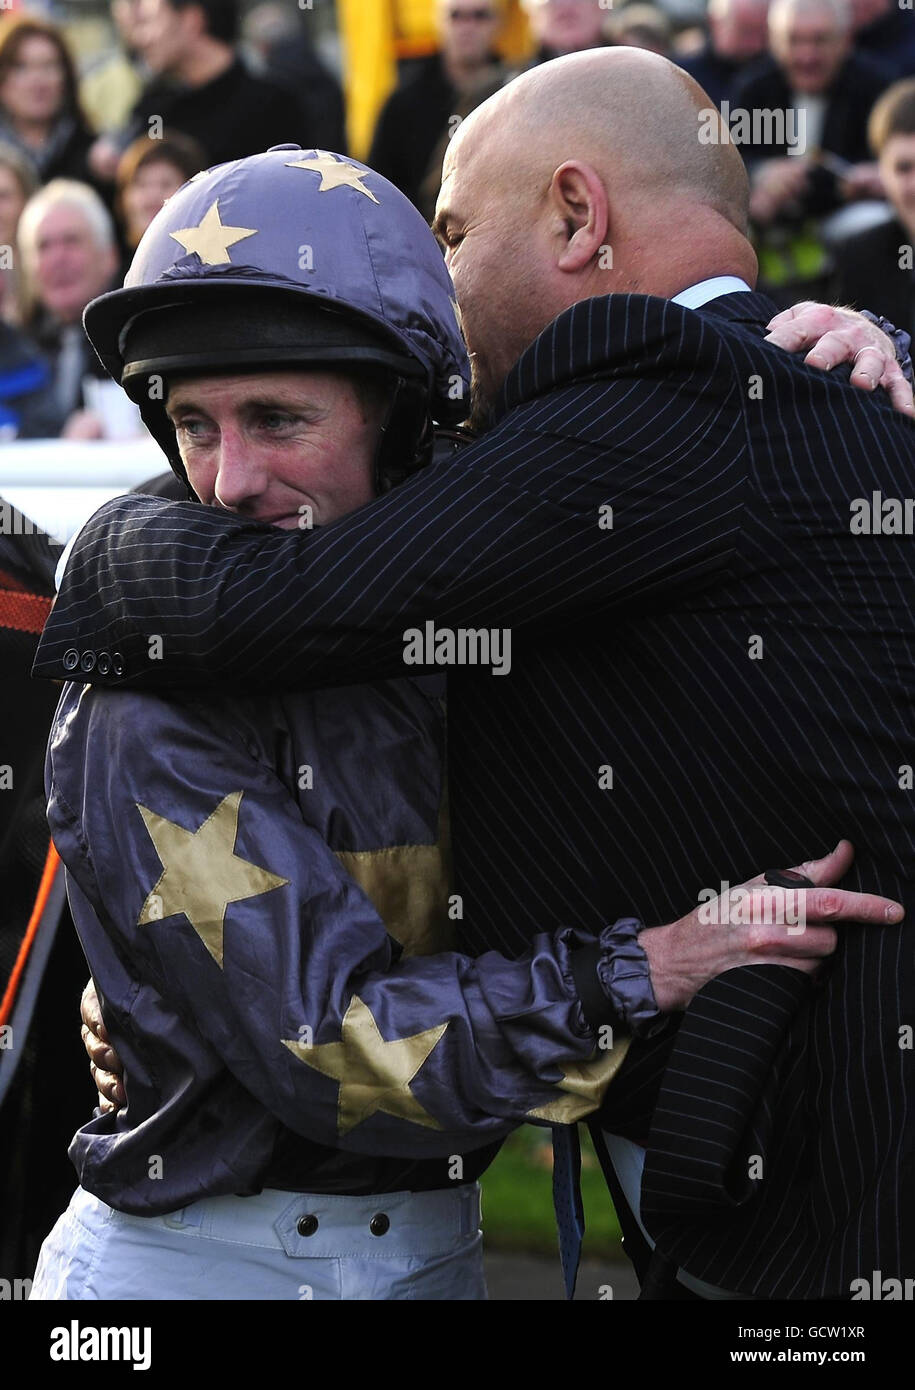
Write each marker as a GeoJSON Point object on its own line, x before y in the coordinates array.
{"type": "Point", "coordinates": [614, 982]}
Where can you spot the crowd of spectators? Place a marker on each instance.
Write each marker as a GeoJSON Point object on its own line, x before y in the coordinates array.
{"type": "Point", "coordinates": [818, 94]}
{"type": "Point", "coordinates": [86, 164]}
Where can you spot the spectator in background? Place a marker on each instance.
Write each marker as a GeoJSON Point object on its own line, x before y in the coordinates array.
{"type": "Point", "coordinates": [17, 184]}
{"type": "Point", "coordinates": [875, 267]}
{"type": "Point", "coordinates": [69, 255]}
{"type": "Point", "coordinates": [640, 26]}
{"type": "Point", "coordinates": [40, 115]}
{"type": "Point", "coordinates": [26, 403]}
{"type": "Point", "coordinates": [738, 33]}
{"type": "Point", "coordinates": [200, 86]}
{"type": "Point", "coordinates": [283, 50]}
{"type": "Point", "coordinates": [885, 31]}
{"type": "Point", "coordinates": [416, 115]}
{"type": "Point", "coordinates": [812, 74]}
{"type": "Point", "coordinates": [112, 85]}
{"type": "Point", "coordinates": [149, 171]}
{"type": "Point", "coordinates": [565, 26]}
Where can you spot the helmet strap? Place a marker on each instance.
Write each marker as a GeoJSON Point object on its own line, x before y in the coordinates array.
{"type": "Point", "coordinates": [406, 440]}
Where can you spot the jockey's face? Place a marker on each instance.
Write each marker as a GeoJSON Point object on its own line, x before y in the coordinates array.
{"type": "Point", "coordinates": [293, 448]}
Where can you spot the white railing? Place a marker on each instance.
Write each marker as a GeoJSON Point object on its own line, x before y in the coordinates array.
{"type": "Point", "coordinates": [59, 483]}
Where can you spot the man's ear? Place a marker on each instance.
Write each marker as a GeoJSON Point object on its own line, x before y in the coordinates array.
{"type": "Point", "coordinates": [579, 200]}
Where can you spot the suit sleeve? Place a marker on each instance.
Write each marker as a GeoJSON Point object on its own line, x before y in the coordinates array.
{"type": "Point", "coordinates": [197, 865]}
{"type": "Point", "coordinates": [608, 493]}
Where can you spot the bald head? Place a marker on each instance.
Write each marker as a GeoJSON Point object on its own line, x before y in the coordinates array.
{"type": "Point", "coordinates": [589, 175]}
{"type": "Point", "coordinates": [633, 115]}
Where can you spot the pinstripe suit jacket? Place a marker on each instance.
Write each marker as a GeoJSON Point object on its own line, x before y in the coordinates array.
{"type": "Point", "coordinates": [714, 677]}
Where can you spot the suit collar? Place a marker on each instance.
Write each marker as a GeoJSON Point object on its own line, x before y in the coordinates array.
{"type": "Point", "coordinates": [597, 335]}
{"type": "Point", "coordinates": [743, 307]}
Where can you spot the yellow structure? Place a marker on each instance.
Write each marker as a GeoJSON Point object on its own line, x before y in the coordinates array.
{"type": "Point", "coordinates": [376, 33]}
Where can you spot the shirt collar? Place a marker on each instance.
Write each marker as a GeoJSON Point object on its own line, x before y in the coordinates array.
{"type": "Point", "coordinates": [587, 339]}
{"type": "Point", "coordinates": [696, 295]}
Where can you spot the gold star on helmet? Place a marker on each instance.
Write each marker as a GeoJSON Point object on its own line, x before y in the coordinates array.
{"type": "Point", "coordinates": [335, 173]}
{"type": "Point", "coordinates": [201, 873]}
{"type": "Point", "coordinates": [211, 238]}
{"type": "Point", "coordinates": [373, 1074]}
{"type": "Point", "coordinates": [585, 1084]}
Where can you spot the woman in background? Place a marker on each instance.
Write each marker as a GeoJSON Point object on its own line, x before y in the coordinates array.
{"type": "Point", "coordinates": [148, 172]}
{"type": "Point", "coordinates": [40, 114]}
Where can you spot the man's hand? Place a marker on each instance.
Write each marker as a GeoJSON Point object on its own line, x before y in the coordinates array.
{"type": "Point", "coordinates": [862, 181]}
{"type": "Point", "coordinates": [104, 1063]}
{"type": "Point", "coordinates": [775, 184]}
{"type": "Point", "coordinates": [685, 955]}
{"type": "Point", "coordinates": [842, 335]}
{"type": "Point", "coordinates": [103, 158]}
{"type": "Point", "coordinates": [83, 424]}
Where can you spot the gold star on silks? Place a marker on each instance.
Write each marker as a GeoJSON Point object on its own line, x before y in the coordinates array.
{"type": "Point", "coordinates": [585, 1084]}
{"type": "Point", "coordinates": [211, 238]}
{"type": "Point", "coordinates": [335, 173]}
{"type": "Point", "coordinates": [201, 873]}
{"type": "Point", "coordinates": [373, 1074]}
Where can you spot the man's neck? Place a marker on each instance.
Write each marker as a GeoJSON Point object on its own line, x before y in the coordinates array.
{"type": "Point", "coordinates": [708, 247]}
{"type": "Point", "coordinates": [463, 75]}
{"type": "Point", "coordinates": [666, 282]}
{"type": "Point", "coordinates": [205, 62]}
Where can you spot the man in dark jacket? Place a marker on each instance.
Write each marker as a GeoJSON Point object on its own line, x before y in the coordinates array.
{"type": "Point", "coordinates": [737, 36]}
{"type": "Point", "coordinates": [200, 86]}
{"type": "Point", "coordinates": [885, 32]}
{"type": "Point", "coordinates": [416, 115]}
{"type": "Point", "coordinates": [824, 93]}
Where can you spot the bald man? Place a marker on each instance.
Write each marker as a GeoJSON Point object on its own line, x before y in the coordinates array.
{"type": "Point", "coordinates": [709, 670]}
